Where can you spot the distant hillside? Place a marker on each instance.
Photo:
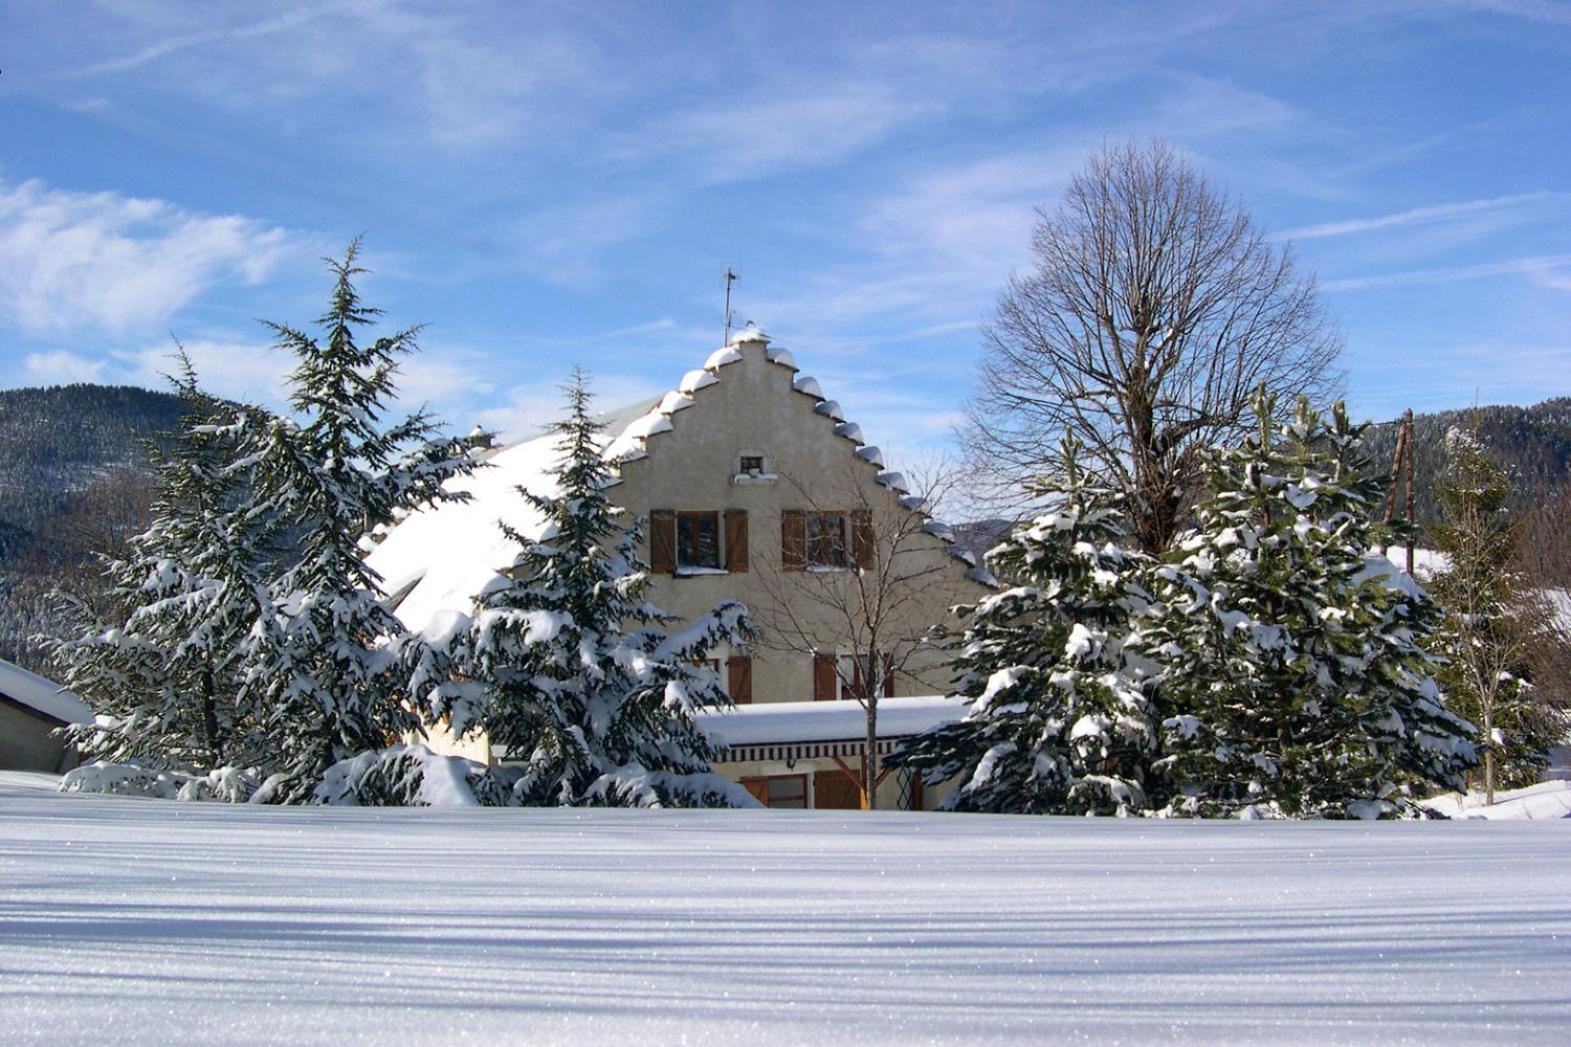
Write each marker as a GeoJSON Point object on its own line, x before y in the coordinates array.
{"type": "Point", "coordinates": [56, 442]}
{"type": "Point", "coordinates": [1533, 445]}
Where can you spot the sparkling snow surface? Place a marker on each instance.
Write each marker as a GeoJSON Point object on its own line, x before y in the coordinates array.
{"type": "Point", "coordinates": [152, 921]}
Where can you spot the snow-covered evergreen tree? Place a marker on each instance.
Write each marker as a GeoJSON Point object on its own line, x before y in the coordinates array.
{"type": "Point", "coordinates": [165, 677]}
{"type": "Point", "coordinates": [1489, 620]}
{"type": "Point", "coordinates": [1060, 722]}
{"type": "Point", "coordinates": [571, 672]}
{"type": "Point", "coordinates": [329, 675]}
{"type": "Point", "coordinates": [1292, 668]}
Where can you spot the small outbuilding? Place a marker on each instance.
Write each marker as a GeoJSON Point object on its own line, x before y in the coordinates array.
{"type": "Point", "coordinates": [32, 710]}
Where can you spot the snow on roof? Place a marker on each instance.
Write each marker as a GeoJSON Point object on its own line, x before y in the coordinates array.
{"type": "Point", "coordinates": [777, 722]}
{"type": "Point", "coordinates": [439, 559]}
{"type": "Point", "coordinates": [41, 695]}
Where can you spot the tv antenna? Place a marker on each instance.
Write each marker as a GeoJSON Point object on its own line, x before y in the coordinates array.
{"type": "Point", "coordinates": [730, 278]}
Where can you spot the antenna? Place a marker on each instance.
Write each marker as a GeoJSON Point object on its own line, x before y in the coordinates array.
{"type": "Point", "coordinates": [730, 278]}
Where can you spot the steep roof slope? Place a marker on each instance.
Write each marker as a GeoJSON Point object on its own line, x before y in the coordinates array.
{"type": "Point", "coordinates": [434, 563]}
{"type": "Point", "coordinates": [41, 695]}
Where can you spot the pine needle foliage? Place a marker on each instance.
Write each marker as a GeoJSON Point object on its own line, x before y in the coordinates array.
{"type": "Point", "coordinates": [572, 673]}
{"type": "Point", "coordinates": [1293, 669]}
{"type": "Point", "coordinates": [1060, 722]}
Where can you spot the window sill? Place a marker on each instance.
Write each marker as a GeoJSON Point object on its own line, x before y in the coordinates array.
{"type": "Point", "coordinates": [700, 572]}
{"type": "Point", "coordinates": [824, 568]}
{"type": "Point", "coordinates": [754, 479]}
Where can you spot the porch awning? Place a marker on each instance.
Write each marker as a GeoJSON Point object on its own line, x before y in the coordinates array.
{"type": "Point", "coordinates": [805, 730]}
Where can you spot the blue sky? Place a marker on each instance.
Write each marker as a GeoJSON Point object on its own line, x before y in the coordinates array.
{"type": "Point", "coordinates": [545, 184]}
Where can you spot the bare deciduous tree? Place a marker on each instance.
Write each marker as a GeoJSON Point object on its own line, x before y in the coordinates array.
{"type": "Point", "coordinates": [1154, 309]}
{"type": "Point", "coordinates": [869, 590]}
{"type": "Point", "coordinates": [1543, 556]}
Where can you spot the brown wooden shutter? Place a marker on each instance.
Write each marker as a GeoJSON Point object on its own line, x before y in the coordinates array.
{"type": "Point", "coordinates": [889, 676]}
{"type": "Point", "coordinates": [864, 543]}
{"type": "Point", "coordinates": [739, 672]}
{"type": "Point", "coordinates": [823, 677]}
{"type": "Point", "coordinates": [736, 540]}
{"type": "Point", "coordinates": [793, 539]}
{"type": "Point", "coordinates": [662, 541]}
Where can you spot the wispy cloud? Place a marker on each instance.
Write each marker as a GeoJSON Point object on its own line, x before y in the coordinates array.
{"type": "Point", "coordinates": [1546, 268]}
{"type": "Point", "coordinates": [72, 261]}
{"type": "Point", "coordinates": [61, 367]}
{"type": "Point", "coordinates": [1423, 215]}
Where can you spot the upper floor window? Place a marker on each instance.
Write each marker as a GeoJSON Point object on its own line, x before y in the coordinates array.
{"type": "Point", "coordinates": [752, 464]}
{"type": "Point", "coordinates": [826, 539]}
{"type": "Point", "coordinates": [698, 539]}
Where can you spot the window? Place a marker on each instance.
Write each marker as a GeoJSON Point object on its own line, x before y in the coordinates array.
{"type": "Point", "coordinates": [826, 539]}
{"type": "Point", "coordinates": [838, 677]}
{"type": "Point", "coordinates": [780, 790]}
{"type": "Point", "coordinates": [752, 465]}
{"type": "Point", "coordinates": [698, 539]}
{"type": "Point", "coordinates": [810, 539]}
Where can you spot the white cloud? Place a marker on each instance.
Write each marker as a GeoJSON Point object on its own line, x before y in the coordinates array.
{"type": "Point", "coordinates": [73, 261]}
{"type": "Point", "coordinates": [1420, 216]}
{"type": "Point", "coordinates": [62, 367]}
{"type": "Point", "coordinates": [1545, 269]}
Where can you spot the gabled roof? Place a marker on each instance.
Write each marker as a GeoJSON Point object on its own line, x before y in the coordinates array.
{"type": "Point", "coordinates": [42, 696]}
{"type": "Point", "coordinates": [435, 562]}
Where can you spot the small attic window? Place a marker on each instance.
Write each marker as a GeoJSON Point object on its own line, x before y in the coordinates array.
{"type": "Point", "coordinates": [752, 465]}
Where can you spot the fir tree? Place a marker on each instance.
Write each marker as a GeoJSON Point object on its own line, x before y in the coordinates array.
{"type": "Point", "coordinates": [1291, 663]}
{"type": "Point", "coordinates": [1059, 721]}
{"type": "Point", "coordinates": [329, 674]}
{"type": "Point", "coordinates": [165, 676]}
{"type": "Point", "coordinates": [571, 673]}
{"type": "Point", "coordinates": [1489, 620]}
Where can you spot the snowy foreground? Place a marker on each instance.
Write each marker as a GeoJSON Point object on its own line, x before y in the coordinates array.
{"type": "Point", "coordinates": [142, 920]}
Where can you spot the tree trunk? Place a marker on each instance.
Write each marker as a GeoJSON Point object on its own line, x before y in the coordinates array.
{"type": "Point", "coordinates": [871, 685]}
{"type": "Point", "coordinates": [215, 743]}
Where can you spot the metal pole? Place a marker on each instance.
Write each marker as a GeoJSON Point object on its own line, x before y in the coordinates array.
{"type": "Point", "coordinates": [730, 278]}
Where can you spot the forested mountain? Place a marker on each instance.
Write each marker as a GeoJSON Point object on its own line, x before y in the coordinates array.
{"type": "Point", "coordinates": [1532, 444]}
{"type": "Point", "coordinates": [56, 442]}
{"type": "Point", "coordinates": [73, 481]}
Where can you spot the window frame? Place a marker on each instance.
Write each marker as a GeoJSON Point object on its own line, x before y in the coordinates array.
{"type": "Point", "coordinates": [685, 518]}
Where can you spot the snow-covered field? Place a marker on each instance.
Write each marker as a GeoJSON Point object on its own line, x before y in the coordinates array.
{"type": "Point", "coordinates": [138, 920]}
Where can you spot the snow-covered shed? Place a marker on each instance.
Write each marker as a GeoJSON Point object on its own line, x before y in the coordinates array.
{"type": "Point", "coordinates": [753, 485]}
{"type": "Point", "coordinates": [32, 709]}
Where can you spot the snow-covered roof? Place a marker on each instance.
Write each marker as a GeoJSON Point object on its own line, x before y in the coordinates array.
{"type": "Point", "coordinates": [436, 561]}
{"type": "Point", "coordinates": [41, 695]}
{"type": "Point", "coordinates": [782, 722]}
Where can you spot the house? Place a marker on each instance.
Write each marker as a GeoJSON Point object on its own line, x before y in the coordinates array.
{"type": "Point", "coordinates": [32, 709]}
{"type": "Point", "coordinates": [754, 487]}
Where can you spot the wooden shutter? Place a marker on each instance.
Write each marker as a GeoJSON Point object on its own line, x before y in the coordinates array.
{"type": "Point", "coordinates": [739, 673]}
{"type": "Point", "coordinates": [823, 677]}
{"type": "Point", "coordinates": [793, 539]}
{"type": "Point", "coordinates": [662, 541]}
{"type": "Point", "coordinates": [889, 676]}
{"type": "Point", "coordinates": [864, 543]}
{"type": "Point", "coordinates": [736, 541]}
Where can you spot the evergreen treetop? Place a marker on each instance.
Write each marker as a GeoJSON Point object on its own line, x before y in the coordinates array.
{"type": "Point", "coordinates": [1060, 722]}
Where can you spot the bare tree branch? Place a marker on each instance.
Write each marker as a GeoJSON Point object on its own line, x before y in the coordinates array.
{"type": "Point", "coordinates": [1154, 308]}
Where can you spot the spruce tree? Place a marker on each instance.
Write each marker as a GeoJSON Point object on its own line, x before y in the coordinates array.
{"type": "Point", "coordinates": [1060, 722]}
{"type": "Point", "coordinates": [1488, 621]}
{"type": "Point", "coordinates": [165, 676]}
{"type": "Point", "coordinates": [329, 676]}
{"type": "Point", "coordinates": [571, 672]}
{"type": "Point", "coordinates": [1293, 674]}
